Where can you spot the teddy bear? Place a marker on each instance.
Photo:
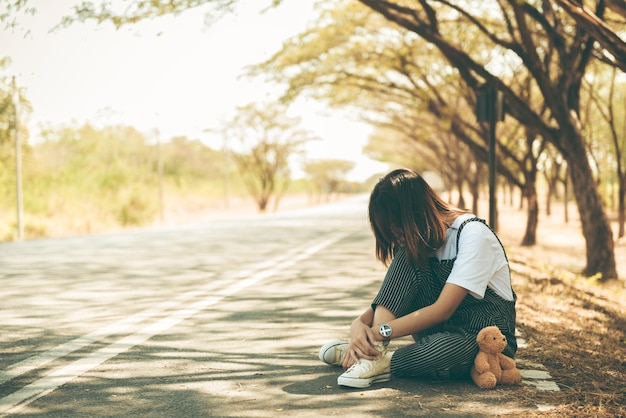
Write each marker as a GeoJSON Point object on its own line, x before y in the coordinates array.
{"type": "Point", "coordinates": [490, 365]}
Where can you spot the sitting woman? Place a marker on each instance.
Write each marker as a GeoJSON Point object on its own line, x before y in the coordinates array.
{"type": "Point", "coordinates": [448, 277]}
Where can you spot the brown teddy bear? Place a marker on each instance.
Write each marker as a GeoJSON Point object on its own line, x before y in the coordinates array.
{"type": "Point", "coordinates": [491, 366]}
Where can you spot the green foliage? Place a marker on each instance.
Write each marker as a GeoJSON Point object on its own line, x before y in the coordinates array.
{"type": "Point", "coordinates": [84, 179]}
{"type": "Point", "coordinates": [10, 9]}
{"type": "Point", "coordinates": [191, 159]}
{"type": "Point", "coordinates": [138, 10]}
{"type": "Point", "coordinates": [328, 176]}
{"type": "Point", "coordinates": [10, 93]}
{"type": "Point", "coordinates": [31, 230]}
{"type": "Point", "coordinates": [135, 209]}
{"type": "Point", "coordinates": [7, 115]}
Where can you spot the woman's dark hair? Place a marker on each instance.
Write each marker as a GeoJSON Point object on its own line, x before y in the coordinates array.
{"type": "Point", "coordinates": [405, 211]}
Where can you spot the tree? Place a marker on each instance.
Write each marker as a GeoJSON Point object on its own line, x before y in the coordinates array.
{"type": "Point", "coordinates": [267, 138]}
{"type": "Point", "coordinates": [189, 158]}
{"type": "Point", "coordinates": [605, 99]}
{"type": "Point", "coordinates": [328, 175]}
{"type": "Point", "coordinates": [554, 170]}
{"type": "Point", "coordinates": [556, 52]}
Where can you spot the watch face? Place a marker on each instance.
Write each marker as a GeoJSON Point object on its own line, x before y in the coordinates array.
{"type": "Point", "coordinates": [385, 330]}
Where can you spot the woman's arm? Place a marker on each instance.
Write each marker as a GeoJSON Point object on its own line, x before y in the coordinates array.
{"type": "Point", "coordinates": [367, 317]}
{"type": "Point", "coordinates": [362, 339]}
{"type": "Point", "coordinates": [450, 298]}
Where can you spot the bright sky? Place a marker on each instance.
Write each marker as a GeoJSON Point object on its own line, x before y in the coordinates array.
{"type": "Point", "coordinates": [172, 74]}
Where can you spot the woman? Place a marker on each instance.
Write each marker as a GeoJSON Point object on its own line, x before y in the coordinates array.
{"type": "Point", "coordinates": [448, 277]}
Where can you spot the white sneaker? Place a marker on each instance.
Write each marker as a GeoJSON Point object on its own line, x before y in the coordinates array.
{"type": "Point", "coordinates": [333, 352]}
{"type": "Point", "coordinates": [366, 372]}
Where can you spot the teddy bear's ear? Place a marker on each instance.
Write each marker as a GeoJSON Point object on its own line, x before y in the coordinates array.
{"type": "Point", "coordinates": [483, 334]}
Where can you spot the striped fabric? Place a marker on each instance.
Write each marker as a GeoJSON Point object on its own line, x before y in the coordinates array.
{"type": "Point", "coordinates": [447, 350]}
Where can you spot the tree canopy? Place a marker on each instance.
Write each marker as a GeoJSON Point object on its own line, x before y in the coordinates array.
{"type": "Point", "coordinates": [555, 51]}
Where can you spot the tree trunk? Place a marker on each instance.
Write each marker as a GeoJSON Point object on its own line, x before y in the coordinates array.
{"type": "Point", "coordinates": [461, 201]}
{"type": "Point", "coordinates": [549, 194]}
{"type": "Point", "coordinates": [474, 185]}
{"type": "Point", "coordinates": [532, 219]}
{"type": "Point", "coordinates": [262, 201]}
{"type": "Point", "coordinates": [621, 215]}
{"type": "Point", "coordinates": [566, 200]}
{"type": "Point", "coordinates": [595, 224]}
{"type": "Point", "coordinates": [475, 198]}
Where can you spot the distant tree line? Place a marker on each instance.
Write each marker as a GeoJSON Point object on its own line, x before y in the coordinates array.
{"type": "Point", "coordinates": [84, 179]}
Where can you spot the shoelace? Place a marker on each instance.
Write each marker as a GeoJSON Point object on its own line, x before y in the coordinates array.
{"type": "Point", "coordinates": [342, 353]}
{"type": "Point", "coordinates": [352, 367]}
{"type": "Point", "coordinates": [363, 365]}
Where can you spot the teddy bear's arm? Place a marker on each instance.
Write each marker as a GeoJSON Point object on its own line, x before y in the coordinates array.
{"type": "Point", "coordinates": [481, 363]}
{"type": "Point", "coordinates": [506, 363]}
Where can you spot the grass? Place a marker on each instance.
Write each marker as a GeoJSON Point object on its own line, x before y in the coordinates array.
{"type": "Point", "coordinates": [69, 213]}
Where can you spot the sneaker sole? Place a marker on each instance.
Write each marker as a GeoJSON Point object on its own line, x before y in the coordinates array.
{"type": "Point", "coordinates": [329, 346]}
{"type": "Point", "coordinates": [363, 383]}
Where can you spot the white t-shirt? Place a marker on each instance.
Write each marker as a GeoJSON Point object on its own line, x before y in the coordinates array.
{"type": "Point", "coordinates": [481, 261]}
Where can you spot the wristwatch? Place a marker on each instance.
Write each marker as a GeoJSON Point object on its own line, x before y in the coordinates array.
{"type": "Point", "coordinates": [385, 331]}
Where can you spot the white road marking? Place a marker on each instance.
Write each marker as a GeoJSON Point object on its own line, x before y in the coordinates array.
{"type": "Point", "coordinates": [45, 385]}
{"type": "Point", "coordinates": [537, 375]}
{"type": "Point", "coordinates": [122, 326]}
{"type": "Point", "coordinates": [125, 325]}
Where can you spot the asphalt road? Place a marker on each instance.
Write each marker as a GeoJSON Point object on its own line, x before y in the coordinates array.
{"type": "Point", "coordinates": [221, 319]}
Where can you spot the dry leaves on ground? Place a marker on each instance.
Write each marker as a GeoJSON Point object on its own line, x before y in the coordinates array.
{"type": "Point", "coordinates": [577, 329]}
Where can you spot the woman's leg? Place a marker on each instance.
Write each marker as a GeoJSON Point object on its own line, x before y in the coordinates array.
{"type": "Point", "coordinates": [404, 289]}
{"type": "Point", "coordinates": [442, 355]}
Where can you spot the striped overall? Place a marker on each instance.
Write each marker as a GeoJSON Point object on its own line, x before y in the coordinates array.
{"type": "Point", "coordinates": [447, 350]}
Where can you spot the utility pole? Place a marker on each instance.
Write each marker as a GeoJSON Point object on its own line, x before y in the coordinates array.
{"type": "Point", "coordinates": [160, 173]}
{"type": "Point", "coordinates": [490, 109]}
{"type": "Point", "coordinates": [225, 170]}
{"type": "Point", "coordinates": [18, 164]}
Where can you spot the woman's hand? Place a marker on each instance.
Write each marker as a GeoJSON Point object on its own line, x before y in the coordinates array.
{"type": "Point", "coordinates": [362, 344]}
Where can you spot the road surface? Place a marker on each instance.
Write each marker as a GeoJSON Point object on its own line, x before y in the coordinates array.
{"type": "Point", "coordinates": [219, 319]}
